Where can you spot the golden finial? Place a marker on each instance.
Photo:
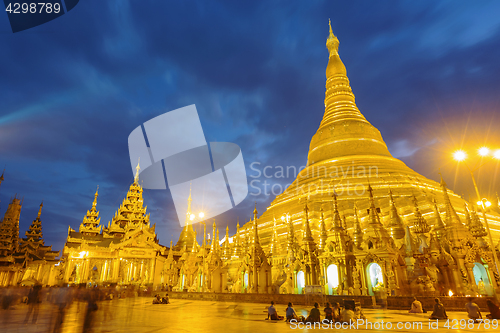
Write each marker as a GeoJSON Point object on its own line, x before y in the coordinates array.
{"type": "Point", "coordinates": [40, 210]}
{"type": "Point", "coordinates": [137, 168]}
{"type": "Point", "coordinates": [332, 43]}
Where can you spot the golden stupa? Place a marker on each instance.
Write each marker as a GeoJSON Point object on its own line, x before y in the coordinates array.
{"type": "Point", "coordinates": [347, 154]}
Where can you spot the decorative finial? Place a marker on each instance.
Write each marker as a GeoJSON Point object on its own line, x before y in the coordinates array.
{"type": "Point", "coordinates": [332, 43]}
{"type": "Point", "coordinates": [40, 210]}
{"type": "Point", "coordinates": [137, 168]}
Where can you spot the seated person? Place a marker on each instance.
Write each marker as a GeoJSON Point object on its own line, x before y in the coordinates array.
{"type": "Point", "coordinates": [328, 312]}
{"type": "Point", "coordinates": [416, 306]}
{"type": "Point", "coordinates": [157, 299]}
{"type": "Point", "coordinates": [348, 314]}
{"type": "Point", "coordinates": [290, 313]}
{"type": "Point", "coordinates": [272, 313]}
{"type": "Point", "coordinates": [494, 310]}
{"type": "Point", "coordinates": [314, 315]}
{"type": "Point", "coordinates": [165, 300]}
{"type": "Point", "coordinates": [472, 310]}
{"type": "Point", "coordinates": [439, 312]}
{"type": "Point", "coordinates": [336, 312]}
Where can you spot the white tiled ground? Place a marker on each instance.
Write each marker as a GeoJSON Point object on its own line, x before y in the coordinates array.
{"type": "Point", "coordinates": [140, 315]}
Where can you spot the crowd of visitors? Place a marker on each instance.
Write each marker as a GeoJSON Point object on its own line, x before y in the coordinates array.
{"type": "Point", "coordinates": [333, 314]}
{"type": "Point", "coordinates": [351, 313]}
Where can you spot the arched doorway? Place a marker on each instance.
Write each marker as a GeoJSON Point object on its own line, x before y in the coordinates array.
{"type": "Point", "coordinates": [301, 282]}
{"type": "Point", "coordinates": [482, 279]}
{"type": "Point", "coordinates": [332, 275]}
{"type": "Point", "coordinates": [245, 282]}
{"type": "Point", "coordinates": [375, 278]}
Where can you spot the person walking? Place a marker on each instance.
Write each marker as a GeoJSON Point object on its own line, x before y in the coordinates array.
{"type": "Point", "coordinates": [33, 303]}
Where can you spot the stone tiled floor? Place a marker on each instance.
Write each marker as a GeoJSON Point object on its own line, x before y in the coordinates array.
{"type": "Point", "coordinates": [140, 315]}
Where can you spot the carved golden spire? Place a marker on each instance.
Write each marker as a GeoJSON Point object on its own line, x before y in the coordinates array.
{"type": "Point", "coordinates": [332, 43]}
{"type": "Point", "coordinates": [358, 231]}
{"type": "Point", "coordinates": [323, 236]}
{"type": "Point", "coordinates": [137, 169]}
{"type": "Point", "coordinates": [40, 211]}
{"type": "Point", "coordinates": [395, 226]}
{"type": "Point", "coordinates": [94, 203]}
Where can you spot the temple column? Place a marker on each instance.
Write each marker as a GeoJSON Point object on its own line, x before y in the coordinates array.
{"type": "Point", "coordinates": [67, 270]}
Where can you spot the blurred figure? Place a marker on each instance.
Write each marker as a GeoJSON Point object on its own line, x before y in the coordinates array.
{"type": "Point", "coordinates": [472, 310]}
{"type": "Point", "coordinates": [494, 310]}
{"type": "Point", "coordinates": [61, 299]}
{"type": "Point", "coordinates": [348, 315]}
{"type": "Point", "coordinates": [91, 308]}
{"type": "Point", "coordinates": [416, 306]}
{"type": "Point", "coordinates": [336, 312]}
{"type": "Point", "coordinates": [33, 303]}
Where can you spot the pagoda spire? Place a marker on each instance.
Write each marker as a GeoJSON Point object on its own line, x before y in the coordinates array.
{"type": "Point", "coordinates": [40, 211]}
{"type": "Point", "coordinates": [307, 229]}
{"type": "Point", "coordinates": [336, 220]}
{"type": "Point", "coordinates": [226, 248]}
{"type": "Point", "coordinates": [213, 248]}
{"type": "Point", "coordinates": [170, 253]}
{"type": "Point", "coordinates": [187, 237]}
{"type": "Point", "coordinates": [439, 226]}
{"type": "Point", "coordinates": [420, 225]}
{"type": "Point", "coordinates": [90, 223]}
{"type": "Point", "coordinates": [341, 112]}
{"type": "Point", "coordinates": [34, 235]}
{"type": "Point", "coordinates": [476, 228]}
{"type": "Point", "coordinates": [291, 234]}
{"type": "Point", "coordinates": [255, 240]}
{"type": "Point", "coordinates": [237, 241]}
{"type": "Point", "coordinates": [395, 226]}
{"type": "Point", "coordinates": [323, 236]}
{"type": "Point", "coordinates": [358, 231]}
{"type": "Point", "coordinates": [137, 170]}
{"type": "Point", "coordinates": [452, 218]}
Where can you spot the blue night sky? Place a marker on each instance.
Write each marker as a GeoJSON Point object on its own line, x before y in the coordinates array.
{"type": "Point", "coordinates": [425, 73]}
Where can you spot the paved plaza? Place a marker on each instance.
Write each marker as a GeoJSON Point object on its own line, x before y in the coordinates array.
{"type": "Point", "coordinates": [141, 316]}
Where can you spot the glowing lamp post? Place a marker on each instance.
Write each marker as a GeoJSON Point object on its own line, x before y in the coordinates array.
{"type": "Point", "coordinates": [461, 156]}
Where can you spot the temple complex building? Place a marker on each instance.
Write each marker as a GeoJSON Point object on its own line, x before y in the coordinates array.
{"type": "Point", "coordinates": [25, 261]}
{"type": "Point", "coordinates": [126, 251]}
{"type": "Point", "coordinates": [356, 221]}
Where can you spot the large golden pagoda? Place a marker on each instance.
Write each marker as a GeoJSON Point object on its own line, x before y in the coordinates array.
{"type": "Point", "coordinates": [347, 154]}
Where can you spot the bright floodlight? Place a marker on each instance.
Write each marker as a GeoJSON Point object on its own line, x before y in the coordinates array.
{"type": "Point", "coordinates": [201, 215]}
{"type": "Point", "coordinates": [192, 217]}
{"type": "Point", "coordinates": [487, 203]}
{"type": "Point", "coordinates": [283, 218]}
{"type": "Point", "coordinates": [479, 203]}
{"type": "Point", "coordinates": [459, 155]}
{"type": "Point", "coordinates": [496, 154]}
{"type": "Point", "coordinates": [483, 151]}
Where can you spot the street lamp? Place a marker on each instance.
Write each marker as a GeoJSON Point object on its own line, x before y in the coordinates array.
{"type": "Point", "coordinates": [461, 156]}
